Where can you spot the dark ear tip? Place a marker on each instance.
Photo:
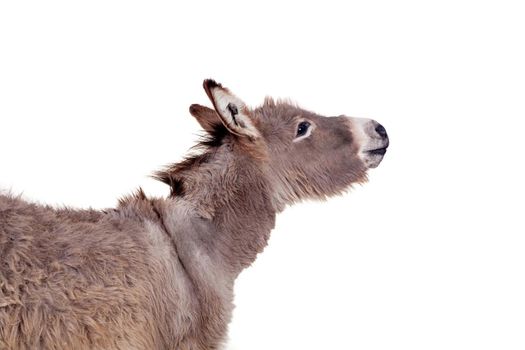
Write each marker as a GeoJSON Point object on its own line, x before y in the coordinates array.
{"type": "Point", "coordinates": [210, 84]}
{"type": "Point", "coordinates": [194, 108]}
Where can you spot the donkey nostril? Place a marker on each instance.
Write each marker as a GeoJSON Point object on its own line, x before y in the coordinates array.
{"type": "Point", "coordinates": [381, 131]}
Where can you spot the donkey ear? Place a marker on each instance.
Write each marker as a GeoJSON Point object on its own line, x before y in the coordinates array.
{"type": "Point", "coordinates": [232, 111]}
{"type": "Point", "coordinates": [207, 117]}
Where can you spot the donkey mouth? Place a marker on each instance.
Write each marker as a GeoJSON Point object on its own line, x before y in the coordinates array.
{"type": "Point", "coordinates": [373, 157]}
{"type": "Point", "coordinates": [378, 151]}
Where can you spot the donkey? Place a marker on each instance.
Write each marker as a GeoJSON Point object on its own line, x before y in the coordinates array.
{"type": "Point", "coordinates": [158, 273]}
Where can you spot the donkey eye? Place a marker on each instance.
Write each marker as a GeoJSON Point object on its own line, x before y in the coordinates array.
{"type": "Point", "coordinates": [302, 128]}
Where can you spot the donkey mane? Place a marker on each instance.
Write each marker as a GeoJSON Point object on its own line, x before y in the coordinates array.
{"type": "Point", "coordinates": [173, 174]}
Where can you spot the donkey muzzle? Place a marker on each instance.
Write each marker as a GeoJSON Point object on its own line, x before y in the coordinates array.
{"type": "Point", "coordinates": [372, 140]}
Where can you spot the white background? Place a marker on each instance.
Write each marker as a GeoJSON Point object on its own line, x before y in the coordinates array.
{"type": "Point", "coordinates": [429, 255]}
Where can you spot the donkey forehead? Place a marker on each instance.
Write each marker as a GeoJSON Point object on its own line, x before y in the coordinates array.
{"type": "Point", "coordinates": [272, 109]}
{"type": "Point", "coordinates": [278, 114]}
{"type": "Point", "coordinates": [276, 117]}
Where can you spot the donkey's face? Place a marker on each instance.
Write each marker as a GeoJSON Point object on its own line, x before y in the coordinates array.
{"type": "Point", "coordinates": [308, 155]}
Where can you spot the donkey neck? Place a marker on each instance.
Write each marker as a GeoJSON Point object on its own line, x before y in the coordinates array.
{"type": "Point", "coordinates": [231, 192]}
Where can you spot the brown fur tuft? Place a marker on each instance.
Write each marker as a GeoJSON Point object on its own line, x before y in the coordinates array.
{"type": "Point", "coordinates": [173, 175]}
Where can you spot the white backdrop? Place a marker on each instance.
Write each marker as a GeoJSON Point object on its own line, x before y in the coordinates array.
{"type": "Point", "coordinates": [428, 255]}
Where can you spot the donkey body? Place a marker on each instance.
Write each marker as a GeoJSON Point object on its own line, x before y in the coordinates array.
{"type": "Point", "coordinates": [158, 273]}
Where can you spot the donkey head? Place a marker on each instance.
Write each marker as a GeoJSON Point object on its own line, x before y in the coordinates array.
{"type": "Point", "coordinates": [308, 155]}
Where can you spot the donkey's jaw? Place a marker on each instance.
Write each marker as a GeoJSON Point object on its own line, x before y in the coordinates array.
{"type": "Point", "coordinates": [371, 138]}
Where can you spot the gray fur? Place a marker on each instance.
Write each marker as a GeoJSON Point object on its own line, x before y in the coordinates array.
{"type": "Point", "coordinates": [158, 273]}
